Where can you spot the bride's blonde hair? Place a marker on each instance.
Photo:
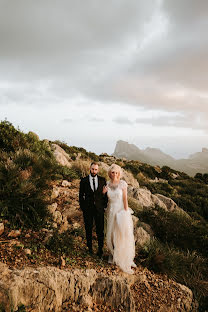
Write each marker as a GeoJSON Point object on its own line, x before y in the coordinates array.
{"type": "Point", "coordinates": [117, 168]}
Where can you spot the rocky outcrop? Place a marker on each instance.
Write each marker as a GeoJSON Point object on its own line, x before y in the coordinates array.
{"type": "Point", "coordinates": [51, 289]}
{"type": "Point", "coordinates": [146, 199]}
{"type": "Point", "coordinates": [169, 203]}
{"type": "Point", "coordinates": [48, 288]}
{"type": "Point", "coordinates": [64, 206]}
{"type": "Point", "coordinates": [61, 156]}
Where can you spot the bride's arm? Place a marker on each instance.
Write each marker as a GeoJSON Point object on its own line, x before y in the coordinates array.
{"type": "Point", "coordinates": [125, 201]}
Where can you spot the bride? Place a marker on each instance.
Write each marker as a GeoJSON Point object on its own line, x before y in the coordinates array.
{"type": "Point", "coordinates": [120, 237]}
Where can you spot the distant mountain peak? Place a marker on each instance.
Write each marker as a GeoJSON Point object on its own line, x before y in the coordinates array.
{"type": "Point", "coordinates": [197, 162]}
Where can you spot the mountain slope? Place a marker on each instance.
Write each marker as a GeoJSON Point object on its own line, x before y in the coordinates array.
{"type": "Point", "coordinates": [197, 162]}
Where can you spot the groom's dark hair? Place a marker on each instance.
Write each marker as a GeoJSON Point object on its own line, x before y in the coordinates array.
{"type": "Point", "coordinates": [94, 163]}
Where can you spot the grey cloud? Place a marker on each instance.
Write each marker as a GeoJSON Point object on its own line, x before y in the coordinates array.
{"type": "Point", "coordinates": [190, 120]}
{"type": "Point", "coordinates": [75, 45]}
{"type": "Point", "coordinates": [52, 51]}
{"type": "Point", "coordinates": [122, 121]}
{"type": "Point", "coordinates": [67, 120]}
{"type": "Point", "coordinates": [95, 119]}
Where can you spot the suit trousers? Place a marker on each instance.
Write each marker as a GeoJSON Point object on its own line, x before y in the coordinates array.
{"type": "Point", "coordinates": [91, 216]}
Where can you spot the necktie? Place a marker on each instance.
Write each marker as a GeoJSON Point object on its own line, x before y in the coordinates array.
{"type": "Point", "coordinates": [93, 179]}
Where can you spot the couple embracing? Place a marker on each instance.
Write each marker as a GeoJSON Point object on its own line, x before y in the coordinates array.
{"type": "Point", "coordinates": [95, 195]}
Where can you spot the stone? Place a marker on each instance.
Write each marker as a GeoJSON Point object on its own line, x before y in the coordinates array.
{"type": "Point", "coordinates": [57, 217]}
{"type": "Point", "coordinates": [52, 208]}
{"type": "Point", "coordinates": [76, 225]}
{"type": "Point", "coordinates": [169, 203]}
{"type": "Point", "coordinates": [48, 288]}
{"type": "Point", "coordinates": [61, 156]}
{"type": "Point", "coordinates": [141, 237]}
{"type": "Point", "coordinates": [66, 183]}
{"type": "Point", "coordinates": [158, 202]}
{"type": "Point", "coordinates": [27, 251]}
{"type": "Point", "coordinates": [1, 228]}
{"type": "Point", "coordinates": [55, 193]}
{"type": "Point", "coordinates": [144, 197]}
{"type": "Point", "coordinates": [14, 233]}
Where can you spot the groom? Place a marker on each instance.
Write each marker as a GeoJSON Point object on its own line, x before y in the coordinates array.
{"type": "Point", "coordinates": [93, 202]}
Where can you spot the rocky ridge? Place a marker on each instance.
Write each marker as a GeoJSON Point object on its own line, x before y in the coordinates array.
{"type": "Point", "coordinates": [51, 288]}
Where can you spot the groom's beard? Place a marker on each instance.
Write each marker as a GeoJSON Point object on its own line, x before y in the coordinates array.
{"type": "Point", "coordinates": [93, 174]}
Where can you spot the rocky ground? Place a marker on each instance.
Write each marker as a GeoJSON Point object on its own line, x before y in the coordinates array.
{"type": "Point", "coordinates": [22, 253]}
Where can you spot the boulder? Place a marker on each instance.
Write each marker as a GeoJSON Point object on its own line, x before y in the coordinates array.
{"type": "Point", "coordinates": [55, 193]}
{"type": "Point", "coordinates": [66, 183]}
{"type": "Point", "coordinates": [169, 203]}
{"type": "Point", "coordinates": [14, 233]}
{"type": "Point", "coordinates": [48, 288]}
{"type": "Point", "coordinates": [61, 156]}
{"type": "Point", "coordinates": [143, 196]}
{"type": "Point", "coordinates": [1, 228]}
{"type": "Point", "coordinates": [141, 237]}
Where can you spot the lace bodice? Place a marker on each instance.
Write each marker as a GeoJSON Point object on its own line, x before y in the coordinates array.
{"type": "Point", "coordinates": [115, 192]}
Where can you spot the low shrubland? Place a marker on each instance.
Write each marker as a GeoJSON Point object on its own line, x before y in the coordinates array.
{"type": "Point", "coordinates": [179, 249]}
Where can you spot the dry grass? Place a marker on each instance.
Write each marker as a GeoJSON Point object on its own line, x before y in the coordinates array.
{"type": "Point", "coordinates": [83, 166]}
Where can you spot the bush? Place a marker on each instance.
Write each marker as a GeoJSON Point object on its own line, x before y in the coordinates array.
{"type": "Point", "coordinates": [61, 244]}
{"type": "Point", "coordinates": [24, 182]}
{"type": "Point", "coordinates": [73, 151]}
{"type": "Point", "coordinates": [82, 167]}
{"type": "Point", "coordinates": [63, 172]}
{"type": "Point", "coordinates": [184, 267]}
{"type": "Point", "coordinates": [177, 229]}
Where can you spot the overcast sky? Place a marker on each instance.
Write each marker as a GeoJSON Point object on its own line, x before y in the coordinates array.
{"type": "Point", "coordinates": [92, 72]}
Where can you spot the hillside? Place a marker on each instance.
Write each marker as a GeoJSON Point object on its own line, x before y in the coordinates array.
{"type": "Point", "coordinates": [197, 162]}
{"type": "Point", "coordinates": [44, 264]}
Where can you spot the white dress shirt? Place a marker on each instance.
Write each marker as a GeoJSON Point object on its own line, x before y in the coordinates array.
{"type": "Point", "coordinates": [91, 182]}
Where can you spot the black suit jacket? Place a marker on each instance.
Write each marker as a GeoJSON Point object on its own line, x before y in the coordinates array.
{"type": "Point", "coordinates": [89, 199]}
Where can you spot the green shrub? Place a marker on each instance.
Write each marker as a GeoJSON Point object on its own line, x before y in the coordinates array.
{"type": "Point", "coordinates": [61, 243]}
{"type": "Point", "coordinates": [10, 138]}
{"type": "Point", "coordinates": [67, 173]}
{"type": "Point", "coordinates": [177, 229]}
{"type": "Point", "coordinates": [24, 182]}
{"type": "Point", "coordinates": [73, 151]}
{"type": "Point", "coordinates": [184, 267]}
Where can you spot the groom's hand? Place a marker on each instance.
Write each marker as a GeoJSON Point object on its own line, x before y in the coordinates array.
{"type": "Point", "coordinates": [105, 189]}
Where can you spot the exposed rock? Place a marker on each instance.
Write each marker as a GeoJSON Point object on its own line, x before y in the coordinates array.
{"type": "Point", "coordinates": [144, 197]}
{"type": "Point", "coordinates": [76, 225]}
{"type": "Point", "coordinates": [141, 237]}
{"type": "Point", "coordinates": [14, 233]}
{"type": "Point", "coordinates": [170, 204]}
{"type": "Point", "coordinates": [1, 228]}
{"type": "Point", "coordinates": [27, 251]}
{"type": "Point", "coordinates": [61, 156]}
{"type": "Point", "coordinates": [57, 216]}
{"type": "Point", "coordinates": [129, 178]}
{"type": "Point", "coordinates": [48, 288]}
{"type": "Point", "coordinates": [156, 200]}
{"type": "Point", "coordinates": [52, 208]}
{"type": "Point", "coordinates": [135, 221]}
{"type": "Point", "coordinates": [55, 193]}
{"type": "Point", "coordinates": [66, 183]}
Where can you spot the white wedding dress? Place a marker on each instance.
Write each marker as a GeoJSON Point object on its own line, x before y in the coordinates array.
{"type": "Point", "coordinates": [120, 235]}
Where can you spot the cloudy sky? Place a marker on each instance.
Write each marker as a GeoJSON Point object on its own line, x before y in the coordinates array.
{"type": "Point", "coordinates": [92, 72]}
